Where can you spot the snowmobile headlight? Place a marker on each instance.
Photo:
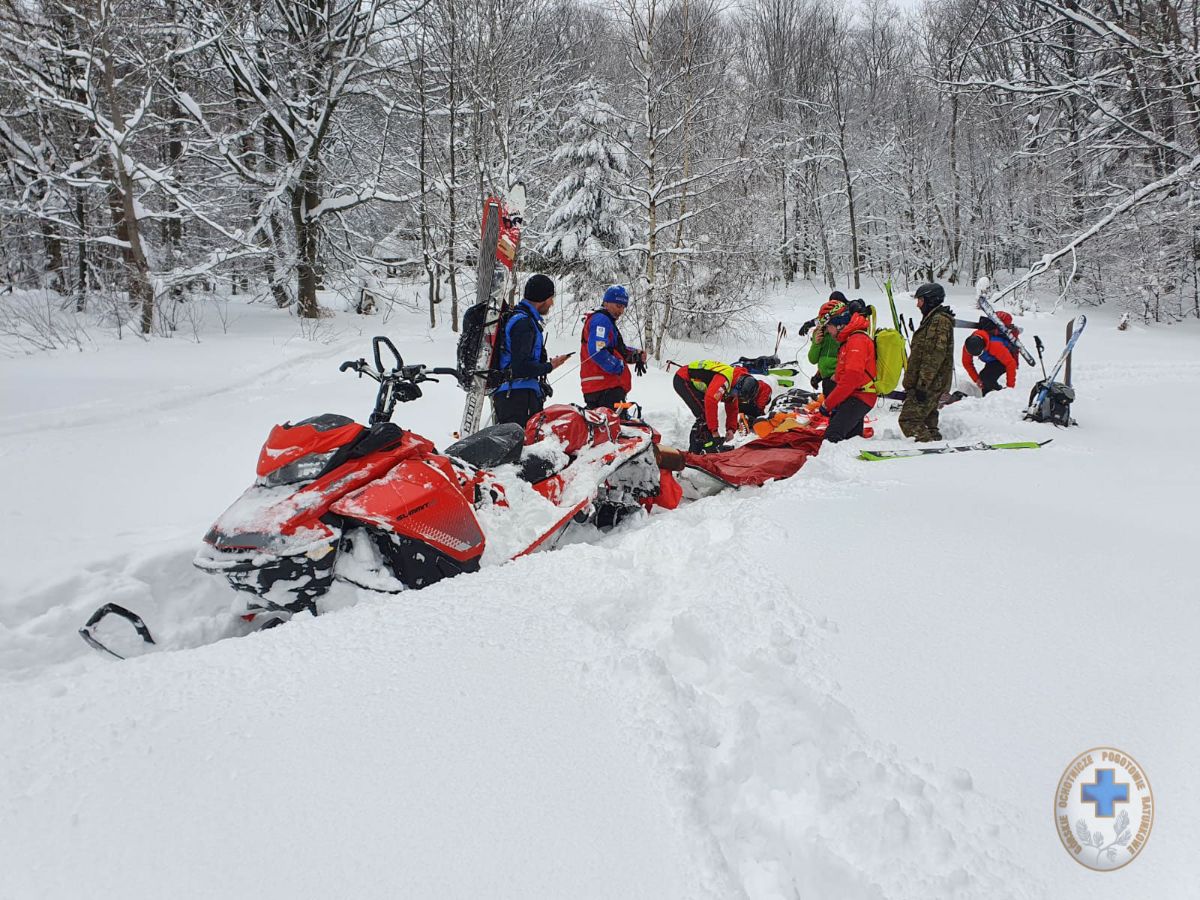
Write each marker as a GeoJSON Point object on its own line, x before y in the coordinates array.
{"type": "Point", "coordinates": [306, 468]}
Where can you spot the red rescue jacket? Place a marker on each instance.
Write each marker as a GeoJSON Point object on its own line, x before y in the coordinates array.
{"type": "Point", "coordinates": [593, 377]}
{"type": "Point", "coordinates": [713, 379]}
{"type": "Point", "coordinates": [855, 364]}
{"type": "Point", "coordinates": [997, 349]}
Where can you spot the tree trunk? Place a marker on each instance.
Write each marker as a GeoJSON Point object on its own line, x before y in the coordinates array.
{"type": "Point", "coordinates": [141, 289]}
{"type": "Point", "coordinates": [451, 258]}
{"type": "Point", "coordinates": [307, 257]}
{"type": "Point", "coordinates": [81, 254]}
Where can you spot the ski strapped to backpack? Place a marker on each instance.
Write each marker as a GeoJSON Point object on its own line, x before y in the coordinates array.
{"type": "Point", "coordinates": [896, 320]}
{"type": "Point", "coordinates": [880, 455]}
{"type": "Point", "coordinates": [986, 308]}
{"type": "Point", "coordinates": [478, 347]}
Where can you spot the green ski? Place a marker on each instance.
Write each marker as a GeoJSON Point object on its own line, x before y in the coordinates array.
{"type": "Point", "coordinates": [896, 320]}
{"type": "Point", "coordinates": [877, 455]}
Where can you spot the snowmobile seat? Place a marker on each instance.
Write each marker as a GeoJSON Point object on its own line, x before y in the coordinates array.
{"type": "Point", "coordinates": [496, 445]}
{"type": "Point", "coordinates": [535, 468]}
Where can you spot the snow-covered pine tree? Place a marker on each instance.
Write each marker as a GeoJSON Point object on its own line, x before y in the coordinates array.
{"type": "Point", "coordinates": [587, 225]}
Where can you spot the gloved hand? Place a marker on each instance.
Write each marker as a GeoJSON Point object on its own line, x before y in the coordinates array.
{"type": "Point", "coordinates": [815, 381]}
{"type": "Point", "coordinates": [921, 395]}
{"type": "Point", "coordinates": [807, 327]}
{"type": "Point", "coordinates": [712, 445]}
{"type": "Point", "coordinates": [639, 366]}
{"type": "Point", "coordinates": [823, 411]}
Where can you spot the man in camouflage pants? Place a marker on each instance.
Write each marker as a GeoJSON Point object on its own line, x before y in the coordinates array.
{"type": "Point", "coordinates": [930, 365]}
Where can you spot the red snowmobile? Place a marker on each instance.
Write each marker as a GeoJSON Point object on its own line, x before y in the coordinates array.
{"type": "Point", "coordinates": [380, 507]}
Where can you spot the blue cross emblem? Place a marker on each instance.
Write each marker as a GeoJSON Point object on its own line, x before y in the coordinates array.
{"type": "Point", "coordinates": [1104, 792]}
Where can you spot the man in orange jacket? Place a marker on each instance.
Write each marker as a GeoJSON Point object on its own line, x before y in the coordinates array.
{"type": "Point", "coordinates": [997, 352]}
{"type": "Point", "coordinates": [850, 402]}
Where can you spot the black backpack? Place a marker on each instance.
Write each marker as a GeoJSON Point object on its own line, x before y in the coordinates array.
{"type": "Point", "coordinates": [758, 365]}
{"type": "Point", "coordinates": [1055, 406]}
{"type": "Point", "coordinates": [474, 322]}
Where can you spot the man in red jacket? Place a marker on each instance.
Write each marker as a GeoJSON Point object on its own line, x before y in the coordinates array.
{"type": "Point", "coordinates": [997, 352]}
{"type": "Point", "coordinates": [606, 360]}
{"type": "Point", "coordinates": [705, 385]}
{"type": "Point", "coordinates": [850, 401]}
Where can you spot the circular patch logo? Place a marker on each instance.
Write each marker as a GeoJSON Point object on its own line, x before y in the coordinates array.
{"type": "Point", "coordinates": [1103, 809]}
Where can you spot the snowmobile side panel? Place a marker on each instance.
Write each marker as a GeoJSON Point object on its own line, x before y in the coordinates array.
{"type": "Point", "coordinates": [419, 501]}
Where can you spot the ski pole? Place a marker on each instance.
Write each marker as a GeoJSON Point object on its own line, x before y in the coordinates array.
{"type": "Point", "coordinates": [1037, 342]}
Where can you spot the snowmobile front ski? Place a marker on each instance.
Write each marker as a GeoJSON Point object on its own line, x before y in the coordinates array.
{"type": "Point", "coordinates": [113, 609]}
{"type": "Point", "coordinates": [879, 455]}
{"type": "Point", "coordinates": [1048, 383]}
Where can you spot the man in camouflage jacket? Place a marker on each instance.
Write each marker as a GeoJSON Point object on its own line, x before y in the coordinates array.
{"type": "Point", "coordinates": [930, 365]}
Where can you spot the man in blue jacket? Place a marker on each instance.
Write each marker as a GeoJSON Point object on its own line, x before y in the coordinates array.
{"type": "Point", "coordinates": [523, 357]}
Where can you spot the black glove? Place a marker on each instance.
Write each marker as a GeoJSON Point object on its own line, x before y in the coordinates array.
{"type": "Point", "coordinates": [815, 381]}
{"type": "Point", "coordinates": [639, 366]}
{"type": "Point", "coordinates": [821, 410]}
{"type": "Point", "coordinates": [921, 395]}
{"type": "Point", "coordinates": [807, 327]}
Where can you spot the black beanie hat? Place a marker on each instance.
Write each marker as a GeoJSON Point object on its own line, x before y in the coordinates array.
{"type": "Point", "coordinates": [838, 296]}
{"type": "Point", "coordinates": [538, 288]}
{"type": "Point", "coordinates": [975, 344]}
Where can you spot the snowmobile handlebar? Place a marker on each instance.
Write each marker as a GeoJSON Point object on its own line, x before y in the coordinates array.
{"type": "Point", "coordinates": [381, 341]}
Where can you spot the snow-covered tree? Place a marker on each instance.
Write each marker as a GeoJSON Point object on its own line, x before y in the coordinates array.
{"type": "Point", "coordinates": [588, 226]}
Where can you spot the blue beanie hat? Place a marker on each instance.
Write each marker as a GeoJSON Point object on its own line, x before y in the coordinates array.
{"type": "Point", "coordinates": [617, 294]}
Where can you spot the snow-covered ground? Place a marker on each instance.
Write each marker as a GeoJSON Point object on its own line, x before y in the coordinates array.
{"type": "Point", "coordinates": [863, 682]}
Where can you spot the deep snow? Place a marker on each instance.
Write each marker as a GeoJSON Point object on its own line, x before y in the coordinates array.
{"type": "Point", "coordinates": [862, 682]}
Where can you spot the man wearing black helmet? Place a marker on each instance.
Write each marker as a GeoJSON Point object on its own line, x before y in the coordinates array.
{"type": "Point", "coordinates": [930, 365]}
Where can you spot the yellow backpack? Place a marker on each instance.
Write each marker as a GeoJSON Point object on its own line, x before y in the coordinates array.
{"type": "Point", "coordinates": [890, 360]}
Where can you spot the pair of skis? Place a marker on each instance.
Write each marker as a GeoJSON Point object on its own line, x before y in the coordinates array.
{"type": "Point", "coordinates": [880, 455]}
{"type": "Point", "coordinates": [1063, 359]}
{"type": "Point", "coordinates": [896, 320]}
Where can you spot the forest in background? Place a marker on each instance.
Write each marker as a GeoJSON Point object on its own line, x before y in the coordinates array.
{"type": "Point", "coordinates": [157, 152]}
